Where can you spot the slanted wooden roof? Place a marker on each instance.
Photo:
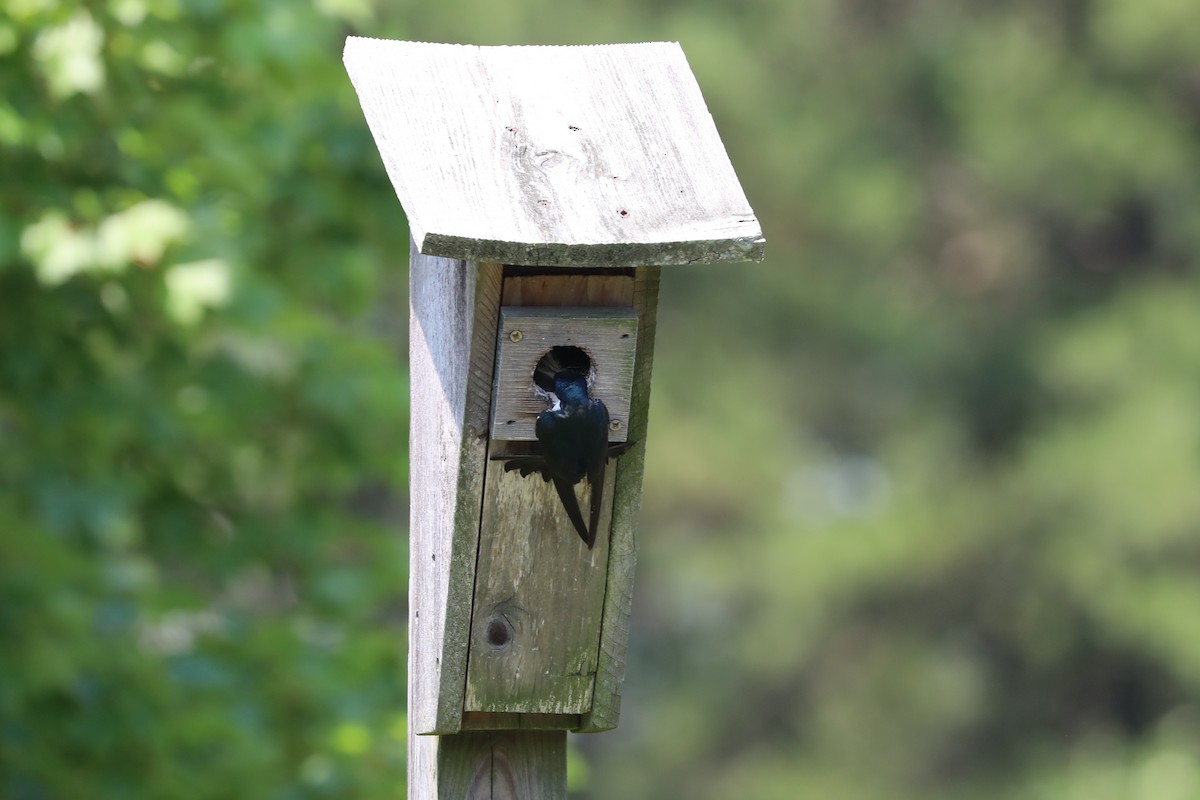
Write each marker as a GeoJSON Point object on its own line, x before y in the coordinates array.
{"type": "Point", "coordinates": [590, 156]}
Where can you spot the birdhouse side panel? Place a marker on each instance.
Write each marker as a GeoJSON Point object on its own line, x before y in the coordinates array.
{"type": "Point", "coordinates": [454, 307]}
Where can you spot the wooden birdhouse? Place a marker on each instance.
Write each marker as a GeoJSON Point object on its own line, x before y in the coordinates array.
{"type": "Point", "coordinates": [544, 188]}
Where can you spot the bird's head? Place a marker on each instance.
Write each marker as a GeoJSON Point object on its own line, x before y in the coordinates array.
{"type": "Point", "coordinates": [571, 386]}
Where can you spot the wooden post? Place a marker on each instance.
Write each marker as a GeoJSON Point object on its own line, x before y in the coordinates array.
{"type": "Point", "coordinates": [543, 188]}
{"type": "Point", "coordinates": [491, 765]}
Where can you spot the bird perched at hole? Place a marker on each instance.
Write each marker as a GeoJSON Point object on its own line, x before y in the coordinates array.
{"type": "Point", "coordinates": [573, 434]}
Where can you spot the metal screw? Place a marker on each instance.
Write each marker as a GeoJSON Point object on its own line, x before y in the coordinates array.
{"type": "Point", "coordinates": [515, 336]}
{"type": "Point", "coordinates": [614, 424]}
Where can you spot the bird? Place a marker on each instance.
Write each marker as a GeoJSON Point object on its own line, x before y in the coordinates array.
{"type": "Point", "coordinates": [573, 434]}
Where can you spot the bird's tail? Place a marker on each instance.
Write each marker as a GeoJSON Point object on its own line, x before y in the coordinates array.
{"type": "Point", "coordinates": [566, 493]}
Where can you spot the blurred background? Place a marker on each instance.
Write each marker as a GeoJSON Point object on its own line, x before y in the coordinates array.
{"type": "Point", "coordinates": [922, 501]}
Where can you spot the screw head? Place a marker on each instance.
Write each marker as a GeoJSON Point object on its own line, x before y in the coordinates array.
{"type": "Point", "coordinates": [614, 424]}
{"type": "Point", "coordinates": [515, 336]}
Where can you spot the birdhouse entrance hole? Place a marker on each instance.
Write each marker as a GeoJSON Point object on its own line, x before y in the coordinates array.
{"type": "Point", "coordinates": [557, 359]}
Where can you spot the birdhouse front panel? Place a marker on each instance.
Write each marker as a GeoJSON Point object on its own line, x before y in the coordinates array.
{"type": "Point", "coordinates": [539, 600]}
{"type": "Point", "coordinates": [541, 580]}
{"type": "Point", "coordinates": [601, 342]}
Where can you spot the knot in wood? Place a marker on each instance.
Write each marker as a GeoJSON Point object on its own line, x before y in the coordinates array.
{"type": "Point", "coordinates": [499, 632]}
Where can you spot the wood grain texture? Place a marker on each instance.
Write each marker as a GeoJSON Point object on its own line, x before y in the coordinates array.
{"type": "Point", "coordinates": [454, 307]}
{"type": "Point", "coordinates": [535, 577]}
{"type": "Point", "coordinates": [600, 289]}
{"type": "Point", "coordinates": [607, 335]}
{"type": "Point", "coordinates": [627, 505]}
{"type": "Point", "coordinates": [539, 597]}
{"type": "Point", "coordinates": [496, 721]}
{"type": "Point", "coordinates": [502, 765]}
{"type": "Point", "coordinates": [600, 155]}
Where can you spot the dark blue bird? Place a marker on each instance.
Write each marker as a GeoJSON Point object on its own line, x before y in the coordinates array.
{"type": "Point", "coordinates": [573, 434]}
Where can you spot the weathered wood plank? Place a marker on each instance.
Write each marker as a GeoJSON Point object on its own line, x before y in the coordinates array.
{"type": "Point", "coordinates": [502, 765]}
{"type": "Point", "coordinates": [454, 307]}
{"type": "Point", "coordinates": [600, 289]}
{"type": "Point", "coordinates": [618, 599]}
{"type": "Point", "coordinates": [601, 155]}
{"type": "Point", "coordinates": [539, 595]}
{"type": "Point", "coordinates": [535, 579]}
{"type": "Point", "coordinates": [454, 311]}
{"type": "Point", "coordinates": [607, 335]}
{"type": "Point", "coordinates": [496, 721]}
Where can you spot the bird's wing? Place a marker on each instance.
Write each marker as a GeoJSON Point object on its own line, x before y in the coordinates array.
{"type": "Point", "coordinates": [529, 464]}
{"type": "Point", "coordinates": [618, 448]}
{"type": "Point", "coordinates": [525, 464]}
{"type": "Point", "coordinates": [596, 482]}
{"type": "Point", "coordinates": [566, 493]}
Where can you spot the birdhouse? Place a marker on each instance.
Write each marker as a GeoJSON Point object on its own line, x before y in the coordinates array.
{"type": "Point", "coordinates": [544, 188]}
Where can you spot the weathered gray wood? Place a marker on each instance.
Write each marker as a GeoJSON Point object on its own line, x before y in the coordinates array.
{"type": "Point", "coordinates": [501, 765]}
{"type": "Point", "coordinates": [563, 612]}
{"type": "Point", "coordinates": [454, 306]}
{"type": "Point", "coordinates": [601, 155]}
{"type": "Point", "coordinates": [454, 310]}
{"type": "Point", "coordinates": [497, 721]}
{"type": "Point", "coordinates": [554, 597]}
{"type": "Point", "coordinates": [607, 335]}
{"type": "Point", "coordinates": [539, 597]}
{"type": "Point", "coordinates": [627, 493]}
{"type": "Point", "coordinates": [602, 288]}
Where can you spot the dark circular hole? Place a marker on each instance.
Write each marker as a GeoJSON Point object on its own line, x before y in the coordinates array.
{"type": "Point", "coordinates": [556, 360]}
{"type": "Point", "coordinates": [497, 633]}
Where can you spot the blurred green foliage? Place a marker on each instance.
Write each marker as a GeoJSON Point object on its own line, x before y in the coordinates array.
{"type": "Point", "coordinates": [921, 515]}
{"type": "Point", "coordinates": [202, 409]}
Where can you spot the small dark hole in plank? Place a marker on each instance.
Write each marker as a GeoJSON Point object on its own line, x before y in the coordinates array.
{"type": "Point", "coordinates": [497, 633]}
